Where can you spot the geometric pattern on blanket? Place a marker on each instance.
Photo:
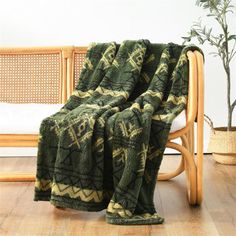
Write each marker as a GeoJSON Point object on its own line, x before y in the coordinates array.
{"type": "Point", "coordinates": [104, 148]}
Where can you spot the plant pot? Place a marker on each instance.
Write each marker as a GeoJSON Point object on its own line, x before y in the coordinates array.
{"type": "Point", "coordinates": [223, 145]}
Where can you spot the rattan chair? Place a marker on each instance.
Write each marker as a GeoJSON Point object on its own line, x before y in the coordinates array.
{"type": "Point", "coordinates": [31, 75]}
{"type": "Point", "coordinates": [71, 64]}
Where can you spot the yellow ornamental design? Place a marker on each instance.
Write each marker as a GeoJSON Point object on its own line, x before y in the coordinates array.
{"type": "Point", "coordinates": [182, 60]}
{"type": "Point", "coordinates": [142, 158]}
{"type": "Point", "coordinates": [115, 63]}
{"type": "Point", "coordinates": [108, 56]}
{"type": "Point", "coordinates": [40, 137]}
{"type": "Point", "coordinates": [177, 100]}
{"type": "Point", "coordinates": [136, 58]}
{"type": "Point", "coordinates": [112, 93]}
{"type": "Point", "coordinates": [91, 45]}
{"type": "Point", "coordinates": [101, 121]}
{"type": "Point", "coordinates": [73, 137]}
{"type": "Point", "coordinates": [43, 184]}
{"type": "Point", "coordinates": [164, 118]}
{"type": "Point", "coordinates": [145, 77]}
{"type": "Point", "coordinates": [162, 68]}
{"type": "Point", "coordinates": [145, 108]}
{"type": "Point", "coordinates": [117, 208]}
{"type": "Point", "coordinates": [83, 132]}
{"type": "Point", "coordinates": [153, 94]}
{"type": "Point", "coordinates": [86, 195]}
{"type": "Point", "coordinates": [87, 64]}
{"type": "Point", "coordinates": [99, 145]}
{"type": "Point", "coordinates": [129, 130]}
{"type": "Point", "coordinates": [121, 153]}
{"type": "Point", "coordinates": [82, 94]}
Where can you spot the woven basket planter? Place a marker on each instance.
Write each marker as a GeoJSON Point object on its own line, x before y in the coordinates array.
{"type": "Point", "coordinates": [223, 145]}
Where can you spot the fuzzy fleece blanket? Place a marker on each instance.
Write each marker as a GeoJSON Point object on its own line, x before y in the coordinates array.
{"type": "Point", "coordinates": [104, 148]}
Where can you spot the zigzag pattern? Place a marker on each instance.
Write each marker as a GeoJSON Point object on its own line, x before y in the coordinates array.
{"type": "Point", "coordinates": [43, 184]}
{"type": "Point", "coordinates": [86, 195]}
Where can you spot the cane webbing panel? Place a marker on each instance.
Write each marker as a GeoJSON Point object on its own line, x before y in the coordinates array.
{"type": "Point", "coordinates": [30, 78]}
{"type": "Point", "coordinates": [78, 65]}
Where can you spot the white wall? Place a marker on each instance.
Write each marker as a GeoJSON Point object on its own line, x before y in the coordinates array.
{"type": "Point", "coordinates": [77, 22]}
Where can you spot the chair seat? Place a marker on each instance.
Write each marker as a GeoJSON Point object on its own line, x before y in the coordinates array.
{"type": "Point", "coordinates": [26, 118]}
{"type": "Point", "coordinates": [179, 122]}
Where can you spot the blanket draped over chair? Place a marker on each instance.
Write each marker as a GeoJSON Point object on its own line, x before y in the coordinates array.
{"type": "Point", "coordinates": [103, 149]}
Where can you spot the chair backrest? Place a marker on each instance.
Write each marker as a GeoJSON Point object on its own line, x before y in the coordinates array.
{"type": "Point", "coordinates": [31, 75]}
{"type": "Point", "coordinates": [75, 60]}
{"type": "Point", "coordinates": [79, 56]}
{"type": "Point", "coordinates": [50, 74]}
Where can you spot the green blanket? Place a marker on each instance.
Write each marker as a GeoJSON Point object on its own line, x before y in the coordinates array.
{"type": "Point", "coordinates": [103, 149]}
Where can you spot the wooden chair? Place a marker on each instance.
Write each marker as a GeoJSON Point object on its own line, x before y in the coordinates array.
{"type": "Point", "coordinates": [190, 163]}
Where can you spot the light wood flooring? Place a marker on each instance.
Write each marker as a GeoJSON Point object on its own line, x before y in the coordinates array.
{"type": "Point", "coordinates": [20, 215]}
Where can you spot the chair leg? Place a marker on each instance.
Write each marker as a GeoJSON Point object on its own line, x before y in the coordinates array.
{"type": "Point", "coordinates": [200, 121]}
{"type": "Point", "coordinates": [198, 160]}
{"type": "Point", "coordinates": [186, 142]}
{"type": "Point", "coordinates": [190, 137]}
{"type": "Point", "coordinates": [13, 177]}
{"type": "Point", "coordinates": [190, 169]}
{"type": "Point", "coordinates": [187, 163]}
{"type": "Point", "coordinates": [199, 163]}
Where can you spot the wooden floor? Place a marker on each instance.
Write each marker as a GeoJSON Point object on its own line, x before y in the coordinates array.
{"type": "Point", "coordinates": [20, 215]}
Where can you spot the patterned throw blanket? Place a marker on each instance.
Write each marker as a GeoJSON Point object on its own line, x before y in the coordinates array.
{"type": "Point", "coordinates": [103, 149]}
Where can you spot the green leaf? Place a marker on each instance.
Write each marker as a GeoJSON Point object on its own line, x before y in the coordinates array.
{"type": "Point", "coordinates": [233, 36]}
{"type": "Point", "coordinates": [193, 33]}
{"type": "Point", "coordinates": [187, 39]}
{"type": "Point", "coordinates": [200, 2]}
{"type": "Point", "coordinates": [204, 30]}
{"type": "Point", "coordinates": [210, 15]}
{"type": "Point", "coordinates": [201, 41]}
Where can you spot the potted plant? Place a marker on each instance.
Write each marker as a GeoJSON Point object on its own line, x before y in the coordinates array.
{"type": "Point", "coordinates": [222, 139]}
